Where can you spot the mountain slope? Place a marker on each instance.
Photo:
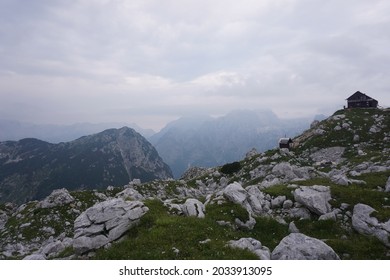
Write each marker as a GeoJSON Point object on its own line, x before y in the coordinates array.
{"type": "Point", "coordinates": [205, 141]}
{"type": "Point", "coordinates": [327, 198]}
{"type": "Point", "coordinates": [31, 169]}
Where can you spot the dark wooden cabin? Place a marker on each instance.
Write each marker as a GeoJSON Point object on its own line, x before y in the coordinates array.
{"type": "Point", "coordinates": [285, 143]}
{"type": "Point", "coordinates": [361, 100]}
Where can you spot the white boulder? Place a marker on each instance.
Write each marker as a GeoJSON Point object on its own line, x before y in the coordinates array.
{"type": "Point", "coordinates": [297, 246]}
{"type": "Point", "coordinates": [315, 198]}
{"type": "Point", "coordinates": [365, 224]}
{"type": "Point", "coordinates": [105, 222]}
{"type": "Point", "coordinates": [193, 207]}
{"type": "Point", "coordinates": [235, 193]}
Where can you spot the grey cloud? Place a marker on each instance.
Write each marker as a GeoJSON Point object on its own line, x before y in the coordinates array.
{"type": "Point", "coordinates": [85, 59]}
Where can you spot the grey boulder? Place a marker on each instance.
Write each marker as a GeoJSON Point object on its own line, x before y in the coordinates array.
{"type": "Point", "coordinates": [58, 197]}
{"type": "Point", "coordinates": [193, 207]}
{"type": "Point", "coordinates": [387, 187]}
{"type": "Point", "coordinates": [235, 193]}
{"type": "Point", "coordinates": [365, 224]}
{"type": "Point", "coordinates": [297, 246]}
{"type": "Point", "coordinates": [315, 198]}
{"type": "Point", "coordinates": [105, 222]}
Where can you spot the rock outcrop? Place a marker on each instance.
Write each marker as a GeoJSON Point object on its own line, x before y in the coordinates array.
{"type": "Point", "coordinates": [332, 154]}
{"type": "Point", "coordinates": [105, 222]}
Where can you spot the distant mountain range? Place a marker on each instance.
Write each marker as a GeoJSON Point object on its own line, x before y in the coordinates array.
{"type": "Point", "coordinates": [30, 168]}
{"type": "Point", "coordinates": [52, 133]}
{"type": "Point", "coordinates": [205, 141]}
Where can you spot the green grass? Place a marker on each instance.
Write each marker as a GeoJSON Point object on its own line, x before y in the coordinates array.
{"type": "Point", "coordinates": [227, 211]}
{"type": "Point", "coordinates": [278, 190]}
{"type": "Point", "coordinates": [359, 247]}
{"type": "Point", "coordinates": [87, 197]}
{"type": "Point", "coordinates": [269, 232]}
{"type": "Point", "coordinates": [347, 244]}
{"type": "Point", "coordinates": [374, 180]}
{"type": "Point", "coordinates": [158, 233]}
{"type": "Point", "coordinates": [361, 121]}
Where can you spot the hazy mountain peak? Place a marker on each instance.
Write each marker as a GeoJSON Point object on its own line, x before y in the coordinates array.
{"type": "Point", "coordinates": [31, 168]}
{"type": "Point", "coordinates": [207, 141]}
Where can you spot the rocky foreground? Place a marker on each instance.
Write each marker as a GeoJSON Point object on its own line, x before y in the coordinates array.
{"type": "Point", "coordinates": [328, 198]}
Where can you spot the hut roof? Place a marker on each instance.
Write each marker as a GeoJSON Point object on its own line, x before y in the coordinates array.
{"type": "Point", "coordinates": [285, 140]}
{"type": "Point", "coordinates": [359, 96]}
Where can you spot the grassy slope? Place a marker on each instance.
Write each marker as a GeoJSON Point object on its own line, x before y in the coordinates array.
{"type": "Point", "coordinates": [159, 233]}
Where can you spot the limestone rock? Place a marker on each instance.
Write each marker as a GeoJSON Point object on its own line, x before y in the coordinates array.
{"type": "Point", "coordinates": [57, 198]}
{"type": "Point", "coordinates": [105, 222]}
{"type": "Point", "coordinates": [288, 204]}
{"type": "Point", "coordinates": [328, 216]}
{"type": "Point", "coordinates": [315, 198]}
{"type": "Point", "coordinates": [34, 257]}
{"type": "Point", "coordinates": [364, 223]}
{"type": "Point", "coordinates": [3, 219]}
{"type": "Point", "coordinates": [252, 245]}
{"type": "Point", "coordinates": [193, 172]}
{"type": "Point", "coordinates": [235, 193]}
{"type": "Point", "coordinates": [248, 225]}
{"type": "Point", "coordinates": [314, 124]}
{"type": "Point", "coordinates": [253, 152]}
{"type": "Point", "coordinates": [251, 198]}
{"type": "Point", "coordinates": [300, 213]}
{"type": "Point", "coordinates": [337, 128]}
{"type": "Point", "coordinates": [292, 228]}
{"type": "Point", "coordinates": [52, 249]}
{"type": "Point", "coordinates": [341, 180]}
{"type": "Point", "coordinates": [278, 201]}
{"type": "Point", "coordinates": [297, 246]}
{"type": "Point", "coordinates": [130, 193]}
{"type": "Point", "coordinates": [193, 207]}
{"type": "Point", "coordinates": [256, 199]}
{"type": "Point", "coordinates": [332, 154]}
{"type": "Point", "coordinates": [374, 129]}
{"type": "Point", "coordinates": [291, 172]}
{"type": "Point", "coordinates": [387, 187]}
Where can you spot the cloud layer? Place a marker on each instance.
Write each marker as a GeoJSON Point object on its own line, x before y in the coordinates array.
{"type": "Point", "coordinates": [151, 61]}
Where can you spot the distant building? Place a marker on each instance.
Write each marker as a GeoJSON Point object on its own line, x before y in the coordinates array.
{"type": "Point", "coordinates": [285, 143]}
{"type": "Point", "coordinates": [360, 100]}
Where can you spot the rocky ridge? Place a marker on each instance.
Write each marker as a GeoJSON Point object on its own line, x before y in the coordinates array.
{"type": "Point", "coordinates": [328, 198]}
{"type": "Point", "coordinates": [31, 169]}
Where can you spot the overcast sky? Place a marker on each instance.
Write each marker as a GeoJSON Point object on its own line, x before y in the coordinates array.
{"type": "Point", "coordinates": [152, 61]}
